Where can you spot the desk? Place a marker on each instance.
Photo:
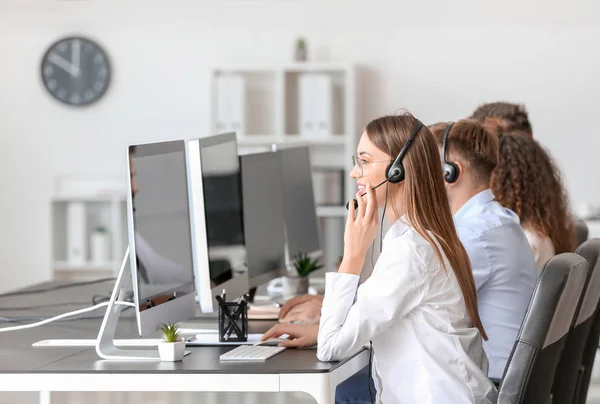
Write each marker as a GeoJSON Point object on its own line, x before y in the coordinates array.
{"type": "Point", "coordinates": [25, 368]}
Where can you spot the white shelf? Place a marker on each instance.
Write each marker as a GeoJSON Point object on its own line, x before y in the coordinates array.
{"type": "Point", "coordinates": [266, 140]}
{"type": "Point", "coordinates": [88, 198]}
{"type": "Point", "coordinates": [66, 265]}
{"type": "Point", "coordinates": [272, 105]}
{"type": "Point", "coordinates": [333, 140]}
{"type": "Point", "coordinates": [287, 68]}
{"type": "Point", "coordinates": [331, 211]}
{"type": "Point", "coordinates": [256, 140]}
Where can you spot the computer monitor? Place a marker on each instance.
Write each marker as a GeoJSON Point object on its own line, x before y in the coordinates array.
{"type": "Point", "coordinates": [217, 216]}
{"type": "Point", "coordinates": [299, 208]}
{"type": "Point", "coordinates": [159, 235]}
{"type": "Point", "coordinates": [263, 216]}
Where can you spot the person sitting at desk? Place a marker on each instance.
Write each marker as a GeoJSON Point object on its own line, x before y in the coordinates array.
{"type": "Point", "coordinates": [528, 182]}
{"type": "Point", "coordinates": [511, 118]}
{"type": "Point", "coordinates": [492, 236]}
{"type": "Point", "coordinates": [419, 307]}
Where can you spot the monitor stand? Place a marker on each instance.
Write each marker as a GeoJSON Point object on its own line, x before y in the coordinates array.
{"type": "Point", "coordinates": [105, 342]}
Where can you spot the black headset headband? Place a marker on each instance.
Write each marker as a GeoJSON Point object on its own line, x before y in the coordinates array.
{"type": "Point", "coordinates": [445, 140]}
{"type": "Point", "coordinates": [413, 134]}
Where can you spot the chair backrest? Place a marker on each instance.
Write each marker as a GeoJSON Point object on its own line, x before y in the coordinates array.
{"type": "Point", "coordinates": [530, 370]}
{"type": "Point", "coordinates": [569, 370]}
{"type": "Point", "coordinates": [581, 231]}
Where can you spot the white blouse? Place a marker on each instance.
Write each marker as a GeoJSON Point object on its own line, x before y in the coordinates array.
{"type": "Point", "coordinates": [542, 246]}
{"type": "Point", "coordinates": [425, 349]}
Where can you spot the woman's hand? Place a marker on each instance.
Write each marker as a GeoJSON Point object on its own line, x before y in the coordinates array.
{"type": "Point", "coordinates": [308, 312]}
{"type": "Point", "coordinates": [299, 335]}
{"type": "Point", "coordinates": [361, 227]}
{"type": "Point", "coordinates": [297, 301]}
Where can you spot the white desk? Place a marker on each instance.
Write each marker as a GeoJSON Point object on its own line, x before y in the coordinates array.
{"type": "Point", "coordinates": [24, 368]}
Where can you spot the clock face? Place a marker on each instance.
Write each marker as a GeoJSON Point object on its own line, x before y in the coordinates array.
{"type": "Point", "coordinates": [76, 71]}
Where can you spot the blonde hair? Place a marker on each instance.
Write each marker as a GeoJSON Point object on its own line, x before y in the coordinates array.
{"type": "Point", "coordinates": [425, 198]}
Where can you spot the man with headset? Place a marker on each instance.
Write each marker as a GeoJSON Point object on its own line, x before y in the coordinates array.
{"type": "Point", "coordinates": [501, 258]}
{"type": "Point", "coordinates": [502, 261]}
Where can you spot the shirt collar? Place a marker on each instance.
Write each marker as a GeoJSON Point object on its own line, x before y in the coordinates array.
{"type": "Point", "coordinates": [397, 229]}
{"type": "Point", "coordinates": [479, 199]}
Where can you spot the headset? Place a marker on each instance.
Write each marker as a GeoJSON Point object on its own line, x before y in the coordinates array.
{"type": "Point", "coordinates": [451, 170]}
{"type": "Point", "coordinates": [395, 172]}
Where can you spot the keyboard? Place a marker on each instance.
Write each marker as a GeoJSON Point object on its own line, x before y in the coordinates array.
{"type": "Point", "coordinates": [252, 353]}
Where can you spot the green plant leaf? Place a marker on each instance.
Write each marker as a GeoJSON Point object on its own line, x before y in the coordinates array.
{"type": "Point", "coordinates": [305, 265]}
{"type": "Point", "coordinates": [170, 331]}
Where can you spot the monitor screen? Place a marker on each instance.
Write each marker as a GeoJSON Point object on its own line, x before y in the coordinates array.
{"type": "Point", "coordinates": [223, 210]}
{"type": "Point", "coordinates": [263, 216]}
{"type": "Point", "coordinates": [218, 239]}
{"type": "Point", "coordinates": [160, 219]}
{"type": "Point", "coordinates": [299, 202]}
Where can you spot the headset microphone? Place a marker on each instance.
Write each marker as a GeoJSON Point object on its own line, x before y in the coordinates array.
{"type": "Point", "coordinates": [356, 202]}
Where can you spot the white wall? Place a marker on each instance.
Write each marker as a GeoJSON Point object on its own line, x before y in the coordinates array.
{"type": "Point", "coordinates": [439, 59]}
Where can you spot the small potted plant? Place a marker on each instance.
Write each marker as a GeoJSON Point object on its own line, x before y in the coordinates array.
{"type": "Point", "coordinates": [304, 266]}
{"type": "Point", "coordinates": [99, 245]}
{"type": "Point", "coordinates": [172, 348]}
{"type": "Point", "coordinates": [300, 54]}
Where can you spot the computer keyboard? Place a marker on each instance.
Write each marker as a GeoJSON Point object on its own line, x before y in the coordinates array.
{"type": "Point", "coordinates": [252, 353]}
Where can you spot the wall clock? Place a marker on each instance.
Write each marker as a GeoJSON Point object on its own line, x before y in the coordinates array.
{"type": "Point", "coordinates": [76, 71]}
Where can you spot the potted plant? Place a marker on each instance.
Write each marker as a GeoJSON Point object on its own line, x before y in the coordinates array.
{"type": "Point", "coordinates": [172, 348]}
{"type": "Point", "coordinates": [99, 245]}
{"type": "Point", "coordinates": [304, 265]}
{"type": "Point", "coordinates": [300, 54]}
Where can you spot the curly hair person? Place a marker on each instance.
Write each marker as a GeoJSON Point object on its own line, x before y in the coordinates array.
{"type": "Point", "coordinates": [528, 182]}
{"type": "Point", "coordinates": [512, 118]}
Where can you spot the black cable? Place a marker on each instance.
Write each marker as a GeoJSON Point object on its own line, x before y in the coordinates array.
{"type": "Point", "coordinates": [370, 371]}
{"type": "Point", "coordinates": [383, 218]}
{"type": "Point", "coordinates": [372, 263]}
{"type": "Point", "coordinates": [370, 376]}
{"type": "Point", "coordinates": [53, 288]}
{"type": "Point", "coordinates": [97, 299]}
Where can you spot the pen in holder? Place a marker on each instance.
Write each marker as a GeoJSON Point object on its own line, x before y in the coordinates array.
{"type": "Point", "coordinates": [233, 320]}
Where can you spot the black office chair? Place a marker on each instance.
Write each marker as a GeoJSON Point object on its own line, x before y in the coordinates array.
{"type": "Point", "coordinates": [530, 370]}
{"type": "Point", "coordinates": [581, 231]}
{"type": "Point", "coordinates": [570, 368]}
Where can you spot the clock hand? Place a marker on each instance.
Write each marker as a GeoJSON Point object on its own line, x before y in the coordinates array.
{"type": "Point", "coordinates": [76, 57]}
{"type": "Point", "coordinates": [63, 63]}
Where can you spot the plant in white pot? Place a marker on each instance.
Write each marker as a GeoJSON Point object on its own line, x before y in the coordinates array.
{"type": "Point", "coordinates": [300, 52]}
{"type": "Point", "coordinates": [172, 348]}
{"type": "Point", "coordinates": [99, 245]}
{"type": "Point", "coordinates": [304, 265]}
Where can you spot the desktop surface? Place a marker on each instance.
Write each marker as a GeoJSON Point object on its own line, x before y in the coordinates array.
{"type": "Point", "coordinates": [18, 356]}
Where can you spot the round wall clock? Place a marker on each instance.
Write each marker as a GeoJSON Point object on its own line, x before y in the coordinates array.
{"type": "Point", "coordinates": [76, 71]}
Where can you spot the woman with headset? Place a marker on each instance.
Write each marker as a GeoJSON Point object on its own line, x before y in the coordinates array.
{"type": "Point", "coordinates": [528, 182]}
{"type": "Point", "coordinates": [418, 309]}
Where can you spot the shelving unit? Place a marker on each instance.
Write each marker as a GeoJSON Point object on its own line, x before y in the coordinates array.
{"type": "Point", "coordinates": [271, 116]}
{"type": "Point", "coordinates": [99, 204]}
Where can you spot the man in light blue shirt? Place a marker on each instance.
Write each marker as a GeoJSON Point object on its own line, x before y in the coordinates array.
{"type": "Point", "coordinates": [501, 258]}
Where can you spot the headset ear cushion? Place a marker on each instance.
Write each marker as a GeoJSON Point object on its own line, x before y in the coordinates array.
{"type": "Point", "coordinates": [451, 172]}
{"type": "Point", "coordinates": [395, 173]}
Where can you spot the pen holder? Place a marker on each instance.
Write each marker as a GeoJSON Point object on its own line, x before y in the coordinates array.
{"type": "Point", "coordinates": [233, 321]}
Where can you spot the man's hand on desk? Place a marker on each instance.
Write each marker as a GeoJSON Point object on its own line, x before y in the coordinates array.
{"type": "Point", "coordinates": [299, 335]}
{"type": "Point", "coordinates": [307, 312]}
